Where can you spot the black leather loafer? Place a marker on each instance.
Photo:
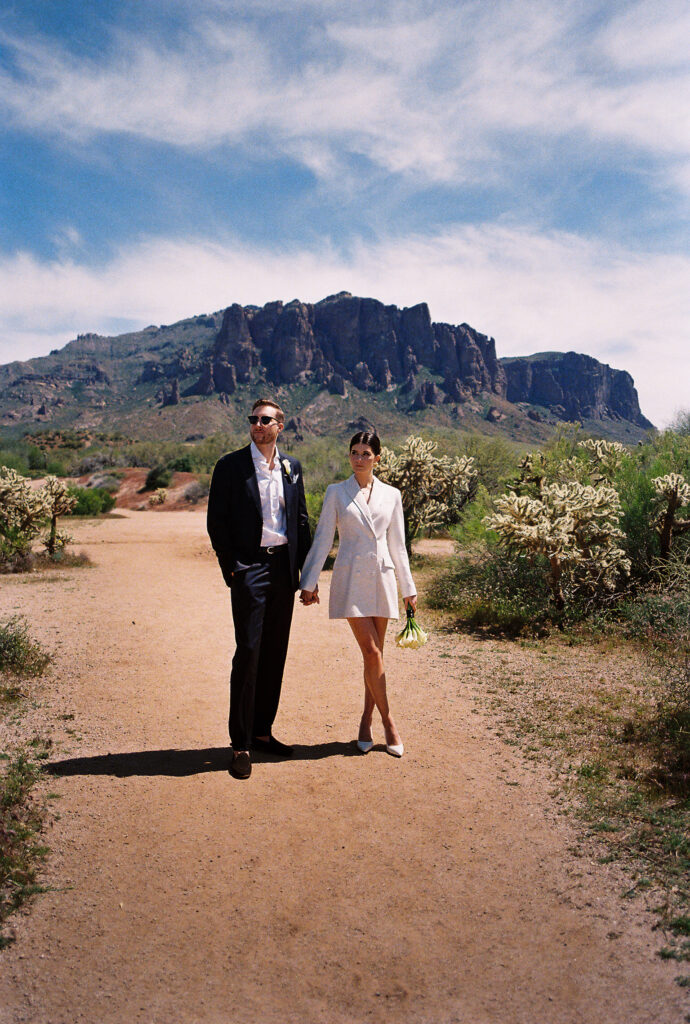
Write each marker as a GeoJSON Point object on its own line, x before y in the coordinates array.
{"type": "Point", "coordinates": [241, 764]}
{"type": "Point", "coordinates": [272, 746]}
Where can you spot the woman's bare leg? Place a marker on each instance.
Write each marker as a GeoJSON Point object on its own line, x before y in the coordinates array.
{"type": "Point", "coordinates": [367, 715]}
{"type": "Point", "coordinates": [370, 634]}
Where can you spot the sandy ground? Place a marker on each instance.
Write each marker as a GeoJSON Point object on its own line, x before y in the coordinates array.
{"type": "Point", "coordinates": [331, 888]}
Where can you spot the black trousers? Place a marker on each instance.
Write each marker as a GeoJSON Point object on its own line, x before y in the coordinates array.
{"type": "Point", "coordinates": [262, 601]}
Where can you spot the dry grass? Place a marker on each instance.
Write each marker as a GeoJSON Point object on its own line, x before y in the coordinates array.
{"type": "Point", "coordinates": [589, 710]}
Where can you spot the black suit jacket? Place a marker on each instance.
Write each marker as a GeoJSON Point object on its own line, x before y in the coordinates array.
{"type": "Point", "coordinates": [234, 518]}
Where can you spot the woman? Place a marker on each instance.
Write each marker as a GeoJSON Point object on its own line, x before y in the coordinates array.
{"type": "Point", "coordinates": [371, 531]}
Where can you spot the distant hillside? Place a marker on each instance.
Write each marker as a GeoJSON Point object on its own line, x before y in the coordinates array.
{"type": "Point", "coordinates": [331, 362]}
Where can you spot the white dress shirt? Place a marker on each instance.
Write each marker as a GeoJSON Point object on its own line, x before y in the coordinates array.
{"type": "Point", "coordinates": [272, 498]}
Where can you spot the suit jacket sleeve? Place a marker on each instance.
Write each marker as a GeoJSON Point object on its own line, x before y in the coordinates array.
{"type": "Point", "coordinates": [303, 531]}
{"type": "Point", "coordinates": [395, 536]}
{"type": "Point", "coordinates": [323, 541]}
{"type": "Point", "coordinates": [217, 518]}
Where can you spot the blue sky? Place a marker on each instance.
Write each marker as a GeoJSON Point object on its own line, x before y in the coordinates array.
{"type": "Point", "coordinates": [521, 165]}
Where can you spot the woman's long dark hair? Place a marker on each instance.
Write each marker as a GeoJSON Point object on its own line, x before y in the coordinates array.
{"type": "Point", "coordinates": [369, 437]}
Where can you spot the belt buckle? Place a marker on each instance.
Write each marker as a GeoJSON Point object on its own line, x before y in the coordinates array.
{"type": "Point", "coordinates": [271, 549]}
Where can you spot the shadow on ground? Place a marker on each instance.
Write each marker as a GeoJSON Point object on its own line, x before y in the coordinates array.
{"type": "Point", "coordinates": [184, 762]}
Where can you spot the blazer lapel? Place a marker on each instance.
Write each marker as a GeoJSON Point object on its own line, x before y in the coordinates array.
{"type": "Point", "coordinates": [353, 491]}
{"type": "Point", "coordinates": [288, 486]}
{"type": "Point", "coordinates": [250, 477]}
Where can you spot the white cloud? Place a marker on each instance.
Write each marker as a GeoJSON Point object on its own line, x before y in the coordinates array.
{"type": "Point", "coordinates": [649, 35]}
{"type": "Point", "coordinates": [432, 90]}
{"type": "Point", "coordinates": [531, 292]}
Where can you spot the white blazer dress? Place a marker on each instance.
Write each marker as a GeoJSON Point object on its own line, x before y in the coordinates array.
{"type": "Point", "coordinates": [371, 551]}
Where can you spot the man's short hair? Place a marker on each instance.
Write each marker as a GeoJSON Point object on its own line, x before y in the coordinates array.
{"type": "Point", "coordinates": [280, 415]}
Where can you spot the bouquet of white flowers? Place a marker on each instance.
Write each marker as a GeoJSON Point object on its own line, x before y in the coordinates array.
{"type": "Point", "coordinates": [412, 636]}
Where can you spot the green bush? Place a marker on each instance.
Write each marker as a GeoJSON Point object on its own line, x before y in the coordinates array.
{"type": "Point", "coordinates": [654, 617]}
{"type": "Point", "coordinates": [91, 501]}
{"type": "Point", "coordinates": [37, 458]}
{"type": "Point", "coordinates": [470, 532]}
{"type": "Point", "coordinates": [496, 593]}
{"type": "Point", "coordinates": [159, 476]}
{"type": "Point", "coordinates": [14, 459]}
{"type": "Point", "coordinates": [638, 502]}
{"type": "Point", "coordinates": [182, 464]}
{"type": "Point", "coordinates": [494, 460]}
{"type": "Point", "coordinates": [314, 506]}
{"type": "Point", "coordinates": [19, 654]}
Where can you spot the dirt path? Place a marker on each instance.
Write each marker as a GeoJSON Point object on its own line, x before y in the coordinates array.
{"type": "Point", "coordinates": [331, 888]}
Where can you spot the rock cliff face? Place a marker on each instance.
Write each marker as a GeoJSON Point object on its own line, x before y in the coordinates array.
{"type": "Point", "coordinates": [345, 338]}
{"type": "Point", "coordinates": [343, 344]}
{"type": "Point", "coordinates": [574, 387]}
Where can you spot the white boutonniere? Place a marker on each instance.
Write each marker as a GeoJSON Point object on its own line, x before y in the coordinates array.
{"type": "Point", "coordinates": [293, 477]}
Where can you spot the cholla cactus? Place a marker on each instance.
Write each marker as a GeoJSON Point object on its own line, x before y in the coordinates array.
{"type": "Point", "coordinates": [593, 462]}
{"type": "Point", "coordinates": [604, 456]}
{"type": "Point", "coordinates": [158, 497]}
{"type": "Point", "coordinates": [59, 502]}
{"type": "Point", "coordinates": [23, 509]}
{"type": "Point", "coordinates": [675, 491]}
{"type": "Point", "coordinates": [575, 526]}
{"type": "Point", "coordinates": [433, 489]}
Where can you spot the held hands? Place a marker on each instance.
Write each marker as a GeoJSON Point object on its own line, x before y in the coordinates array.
{"type": "Point", "coordinates": [308, 597]}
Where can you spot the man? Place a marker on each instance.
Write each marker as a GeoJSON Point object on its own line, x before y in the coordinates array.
{"type": "Point", "coordinates": [259, 529]}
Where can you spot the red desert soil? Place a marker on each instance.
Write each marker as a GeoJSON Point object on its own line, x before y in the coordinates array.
{"type": "Point", "coordinates": [332, 888]}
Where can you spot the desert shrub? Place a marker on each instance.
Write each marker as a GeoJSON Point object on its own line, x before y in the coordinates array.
{"type": "Point", "coordinates": [471, 531]}
{"type": "Point", "coordinates": [324, 460]}
{"type": "Point", "coordinates": [21, 821]}
{"type": "Point", "coordinates": [660, 618]}
{"type": "Point", "coordinates": [182, 464]}
{"type": "Point", "coordinates": [159, 497]}
{"type": "Point", "coordinates": [637, 496]}
{"type": "Point", "coordinates": [670, 726]}
{"type": "Point", "coordinates": [105, 482]}
{"type": "Point", "coordinates": [91, 501]}
{"type": "Point", "coordinates": [652, 616]}
{"type": "Point", "coordinates": [159, 476]}
{"type": "Point", "coordinates": [641, 502]}
{"type": "Point", "coordinates": [681, 423]}
{"type": "Point", "coordinates": [91, 464]}
{"type": "Point", "coordinates": [19, 654]}
{"type": "Point", "coordinates": [14, 459]}
{"type": "Point", "coordinates": [195, 491]}
{"type": "Point", "coordinates": [314, 506]}
{"type": "Point", "coordinates": [659, 614]}
{"type": "Point", "coordinates": [495, 593]}
{"type": "Point", "coordinates": [494, 459]}
{"type": "Point", "coordinates": [38, 459]}
{"type": "Point", "coordinates": [201, 456]}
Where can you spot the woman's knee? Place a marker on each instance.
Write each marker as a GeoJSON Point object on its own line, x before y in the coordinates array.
{"type": "Point", "coordinates": [371, 654]}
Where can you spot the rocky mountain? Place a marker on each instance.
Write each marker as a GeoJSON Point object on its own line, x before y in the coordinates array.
{"type": "Point", "coordinates": [342, 349]}
{"type": "Point", "coordinates": [573, 387]}
{"type": "Point", "coordinates": [348, 339]}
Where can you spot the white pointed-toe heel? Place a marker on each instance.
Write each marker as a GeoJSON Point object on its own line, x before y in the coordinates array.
{"type": "Point", "coordinates": [365, 745]}
{"type": "Point", "coordinates": [396, 749]}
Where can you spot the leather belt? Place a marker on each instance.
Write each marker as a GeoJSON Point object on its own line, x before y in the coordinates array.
{"type": "Point", "coordinates": [273, 549]}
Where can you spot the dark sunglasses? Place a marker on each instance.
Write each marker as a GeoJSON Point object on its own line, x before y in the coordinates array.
{"type": "Point", "coordinates": [263, 420]}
